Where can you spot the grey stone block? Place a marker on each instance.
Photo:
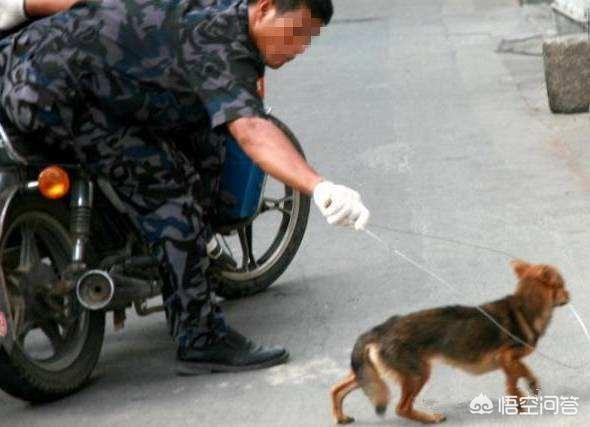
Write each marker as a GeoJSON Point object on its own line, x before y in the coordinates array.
{"type": "Point", "coordinates": [567, 73]}
{"type": "Point", "coordinates": [565, 25]}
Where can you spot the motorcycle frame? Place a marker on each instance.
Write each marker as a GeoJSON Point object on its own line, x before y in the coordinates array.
{"type": "Point", "coordinates": [15, 171]}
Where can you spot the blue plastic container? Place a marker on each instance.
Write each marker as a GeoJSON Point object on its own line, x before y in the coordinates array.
{"type": "Point", "coordinates": [242, 179]}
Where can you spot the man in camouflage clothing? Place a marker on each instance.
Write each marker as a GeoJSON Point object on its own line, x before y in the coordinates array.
{"type": "Point", "coordinates": [124, 83]}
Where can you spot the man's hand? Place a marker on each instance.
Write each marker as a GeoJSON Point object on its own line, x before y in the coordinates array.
{"type": "Point", "coordinates": [341, 205]}
{"type": "Point", "coordinates": [272, 151]}
{"type": "Point", "coordinates": [12, 13]}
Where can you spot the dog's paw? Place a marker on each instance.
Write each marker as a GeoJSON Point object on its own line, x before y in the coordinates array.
{"type": "Point", "coordinates": [438, 418]}
{"type": "Point", "coordinates": [346, 420]}
{"type": "Point", "coordinates": [380, 410]}
{"type": "Point", "coordinates": [534, 387]}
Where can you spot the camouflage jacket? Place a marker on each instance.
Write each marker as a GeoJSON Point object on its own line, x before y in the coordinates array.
{"type": "Point", "coordinates": [165, 64]}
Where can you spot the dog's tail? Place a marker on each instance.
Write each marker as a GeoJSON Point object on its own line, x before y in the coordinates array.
{"type": "Point", "coordinates": [366, 365]}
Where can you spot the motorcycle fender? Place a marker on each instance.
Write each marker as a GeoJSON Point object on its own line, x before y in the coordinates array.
{"type": "Point", "coordinates": [10, 183]}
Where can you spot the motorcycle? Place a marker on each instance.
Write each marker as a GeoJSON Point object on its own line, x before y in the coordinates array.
{"type": "Point", "coordinates": [69, 254]}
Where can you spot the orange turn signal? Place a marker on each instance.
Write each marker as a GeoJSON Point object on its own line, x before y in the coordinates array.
{"type": "Point", "coordinates": [54, 182]}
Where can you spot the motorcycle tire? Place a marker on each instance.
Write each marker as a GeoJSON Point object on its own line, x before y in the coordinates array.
{"type": "Point", "coordinates": [39, 381]}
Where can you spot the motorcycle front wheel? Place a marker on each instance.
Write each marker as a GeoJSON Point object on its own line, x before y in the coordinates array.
{"type": "Point", "coordinates": [262, 247]}
{"type": "Point", "coordinates": [58, 342]}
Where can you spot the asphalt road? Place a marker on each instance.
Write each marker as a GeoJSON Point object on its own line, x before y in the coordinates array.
{"type": "Point", "coordinates": [411, 103]}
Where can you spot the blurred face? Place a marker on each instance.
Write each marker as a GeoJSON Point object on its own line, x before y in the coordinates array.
{"type": "Point", "coordinates": [281, 37]}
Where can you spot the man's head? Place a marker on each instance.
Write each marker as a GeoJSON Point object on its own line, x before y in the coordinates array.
{"type": "Point", "coordinates": [282, 29]}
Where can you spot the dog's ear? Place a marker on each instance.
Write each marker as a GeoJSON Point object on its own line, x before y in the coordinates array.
{"type": "Point", "coordinates": [550, 275]}
{"type": "Point", "coordinates": [545, 274]}
{"type": "Point", "coordinates": [520, 267]}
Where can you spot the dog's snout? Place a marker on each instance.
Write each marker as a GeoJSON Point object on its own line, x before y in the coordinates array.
{"type": "Point", "coordinates": [563, 298]}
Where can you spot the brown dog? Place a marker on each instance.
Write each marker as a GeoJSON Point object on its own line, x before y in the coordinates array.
{"type": "Point", "coordinates": [404, 347]}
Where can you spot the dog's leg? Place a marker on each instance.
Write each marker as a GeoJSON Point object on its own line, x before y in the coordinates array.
{"type": "Point", "coordinates": [511, 368]}
{"type": "Point", "coordinates": [371, 378]}
{"type": "Point", "coordinates": [523, 370]}
{"type": "Point", "coordinates": [532, 381]}
{"type": "Point", "coordinates": [339, 392]}
{"type": "Point", "coordinates": [411, 386]}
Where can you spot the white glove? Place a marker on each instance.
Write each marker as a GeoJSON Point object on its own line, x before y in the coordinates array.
{"type": "Point", "coordinates": [12, 13]}
{"type": "Point", "coordinates": [340, 205]}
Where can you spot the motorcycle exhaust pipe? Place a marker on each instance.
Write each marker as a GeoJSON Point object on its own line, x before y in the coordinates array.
{"type": "Point", "coordinates": [95, 289]}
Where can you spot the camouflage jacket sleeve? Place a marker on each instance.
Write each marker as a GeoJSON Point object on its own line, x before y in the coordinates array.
{"type": "Point", "coordinates": [227, 98]}
{"type": "Point", "coordinates": [228, 66]}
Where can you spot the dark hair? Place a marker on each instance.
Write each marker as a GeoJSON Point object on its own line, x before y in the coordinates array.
{"type": "Point", "coordinates": [320, 9]}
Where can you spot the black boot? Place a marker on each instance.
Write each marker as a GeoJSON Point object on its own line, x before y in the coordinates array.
{"type": "Point", "coordinates": [231, 352]}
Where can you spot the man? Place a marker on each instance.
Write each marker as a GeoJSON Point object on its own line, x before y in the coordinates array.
{"type": "Point", "coordinates": [125, 83]}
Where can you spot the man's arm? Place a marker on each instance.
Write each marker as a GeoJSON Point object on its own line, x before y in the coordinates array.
{"type": "Point", "coordinates": [268, 146]}
{"type": "Point", "coordinates": [15, 12]}
{"type": "Point", "coordinates": [47, 7]}
{"type": "Point", "coordinates": [272, 151]}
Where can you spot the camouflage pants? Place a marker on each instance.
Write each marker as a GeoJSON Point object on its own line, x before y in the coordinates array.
{"type": "Point", "coordinates": [170, 198]}
{"type": "Point", "coordinates": [170, 194]}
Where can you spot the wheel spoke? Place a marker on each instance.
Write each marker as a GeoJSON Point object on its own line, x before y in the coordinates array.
{"type": "Point", "coordinates": [59, 311]}
{"type": "Point", "coordinates": [245, 234]}
{"type": "Point", "coordinates": [18, 310]}
{"type": "Point", "coordinates": [12, 279]}
{"type": "Point", "coordinates": [29, 251]}
{"type": "Point", "coordinates": [287, 198]}
{"type": "Point", "coordinates": [271, 204]}
{"type": "Point", "coordinates": [51, 331]}
{"type": "Point", "coordinates": [230, 252]}
{"type": "Point", "coordinates": [227, 258]}
{"type": "Point", "coordinates": [286, 212]}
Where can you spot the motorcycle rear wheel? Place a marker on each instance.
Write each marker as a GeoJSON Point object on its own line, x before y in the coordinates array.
{"type": "Point", "coordinates": [58, 342]}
